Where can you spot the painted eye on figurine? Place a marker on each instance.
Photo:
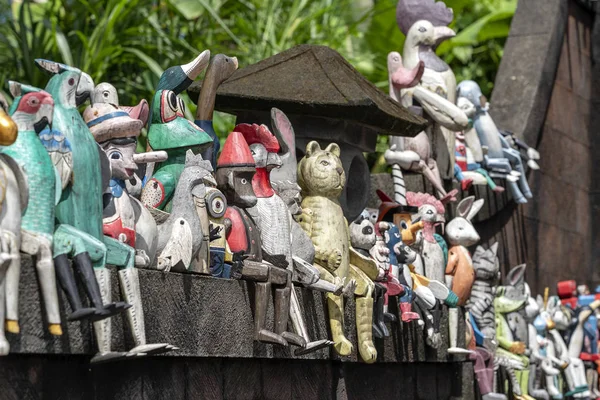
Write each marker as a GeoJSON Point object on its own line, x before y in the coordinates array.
{"type": "Point", "coordinates": [115, 155]}
{"type": "Point", "coordinates": [243, 181]}
{"type": "Point", "coordinates": [403, 225]}
{"type": "Point", "coordinates": [71, 82]}
{"type": "Point", "coordinates": [422, 29]}
{"type": "Point", "coordinates": [181, 107]}
{"type": "Point", "coordinates": [325, 163]}
{"type": "Point", "coordinates": [33, 101]}
{"type": "Point", "coordinates": [173, 101]}
{"type": "Point", "coordinates": [169, 106]}
{"type": "Point", "coordinates": [217, 204]}
{"type": "Point", "coordinates": [106, 93]}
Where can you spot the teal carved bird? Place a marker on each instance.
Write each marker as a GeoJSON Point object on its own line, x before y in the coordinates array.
{"type": "Point", "coordinates": [172, 132]}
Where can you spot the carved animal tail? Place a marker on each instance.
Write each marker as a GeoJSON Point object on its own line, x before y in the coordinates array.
{"type": "Point", "coordinates": [399, 185]}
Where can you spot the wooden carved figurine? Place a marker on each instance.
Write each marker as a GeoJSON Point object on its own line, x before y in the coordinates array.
{"type": "Point", "coordinates": [33, 110]}
{"type": "Point", "coordinates": [573, 367]}
{"type": "Point", "coordinates": [510, 352]}
{"type": "Point", "coordinates": [235, 171]}
{"type": "Point", "coordinates": [543, 350]}
{"type": "Point", "coordinates": [520, 323]}
{"type": "Point", "coordinates": [425, 25]}
{"type": "Point", "coordinates": [15, 191]}
{"type": "Point", "coordinates": [501, 160]}
{"type": "Point", "coordinates": [79, 211]}
{"type": "Point", "coordinates": [363, 238]}
{"type": "Point", "coordinates": [413, 154]}
{"type": "Point", "coordinates": [273, 219]}
{"type": "Point", "coordinates": [123, 216]}
{"type": "Point", "coordinates": [81, 208]}
{"type": "Point", "coordinates": [460, 275]}
{"type": "Point", "coordinates": [481, 302]}
{"type": "Point", "coordinates": [433, 249]}
{"type": "Point", "coordinates": [322, 179]}
{"type": "Point", "coordinates": [170, 131]}
{"type": "Point", "coordinates": [467, 168]}
{"type": "Point", "coordinates": [219, 70]}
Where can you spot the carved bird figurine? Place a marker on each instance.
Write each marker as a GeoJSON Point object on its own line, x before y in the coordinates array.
{"type": "Point", "coordinates": [425, 24]}
{"type": "Point", "coordinates": [180, 77]}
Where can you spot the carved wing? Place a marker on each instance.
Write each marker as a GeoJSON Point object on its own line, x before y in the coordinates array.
{"type": "Point", "coordinates": [59, 149]}
{"type": "Point", "coordinates": [20, 177]}
{"type": "Point", "coordinates": [179, 247]}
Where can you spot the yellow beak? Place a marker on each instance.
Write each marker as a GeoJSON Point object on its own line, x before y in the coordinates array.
{"type": "Point", "coordinates": [8, 129]}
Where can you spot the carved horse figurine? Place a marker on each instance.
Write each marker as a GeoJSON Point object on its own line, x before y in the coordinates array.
{"type": "Point", "coordinates": [460, 274]}
{"type": "Point", "coordinates": [414, 154]}
{"type": "Point", "coordinates": [274, 222]}
{"type": "Point", "coordinates": [501, 160]}
{"type": "Point", "coordinates": [322, 179]}
{"type": "Point", "coordinates": [33, 109]}
{"type": "Point", "coordinates": [14, 191]}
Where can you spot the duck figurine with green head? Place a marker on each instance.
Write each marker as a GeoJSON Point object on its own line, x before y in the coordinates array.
{"type": "Point", "coordinates": [170, 131]}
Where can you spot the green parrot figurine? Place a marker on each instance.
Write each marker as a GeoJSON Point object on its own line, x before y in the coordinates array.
{"type": "Point", "coordinates": [79, 212]}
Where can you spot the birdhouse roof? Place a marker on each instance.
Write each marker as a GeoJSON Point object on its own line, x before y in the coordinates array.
{"type": "Point", "coordinates": [313, 81]}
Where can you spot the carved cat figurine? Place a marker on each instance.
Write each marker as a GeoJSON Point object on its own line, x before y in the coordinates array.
{"type": "Point", "coordinates": [322, 179]}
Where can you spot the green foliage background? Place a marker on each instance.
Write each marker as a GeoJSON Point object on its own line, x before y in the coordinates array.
{"type": "Point", "coordinates": [130, 42]}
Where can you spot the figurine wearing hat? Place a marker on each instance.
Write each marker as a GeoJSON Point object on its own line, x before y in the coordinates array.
{"type": "Point", "coordinates": [235, 172]}
{"type": "Point", "coordinates": [116, 133]}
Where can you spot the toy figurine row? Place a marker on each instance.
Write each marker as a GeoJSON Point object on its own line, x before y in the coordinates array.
{"type": "Point", "coordinates": [531, 348]}
{"type": "Point", "coordinates": [459, 114]}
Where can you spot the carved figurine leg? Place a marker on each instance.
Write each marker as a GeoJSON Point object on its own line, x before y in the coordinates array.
{"type": "Point", "coordinates": [123, 255]}
{"type": "Point", "coordinates": [515, 158]}
{"type": "Point", "coordinates": [335, 306]}
{"type": "Point", "coordinates": [5, 259]}
{"type": "Point", "coordinates": [430, 170]}
{"type": "Point", "coordinates": [260, 316]}
{"type": "Point", "coordinates": [47, 279]}
{"type": "Point", "coordinates": [86, 251]}
{"type": "Point", "coordinates": [378, 312]}
{"type": "Point", "coordinates": [281, 302]}
{"type": "Point", "coordinates": [516, 192]}
{"type": "Point", "coordinates": [12, 284]}
{"type": "Point", "coordinates": [300, 328]}
{"type": "Point", "coordinates": [533, 387]}
{"type": "Point", "coordinates": [364, 314]}
{"type": "Point", "coordinates": [453, 333]}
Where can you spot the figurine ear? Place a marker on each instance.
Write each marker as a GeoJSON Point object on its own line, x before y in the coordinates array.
{"type": "Point", "coordinates": [14, 88]}
{"type": "Point", "coordinates": [189, 156]}
{"type": "Point", "coordinates": [50, 66]}
{"type": "Point", "coordinates": [334, 148]}
{"type": "Point", "coordinates": [284, 132]}
{"type": "Point", "coordinates": [479, 251]}
{"type": "Point", "coordinates": [312, 147]}
{"type": "Point", "coordinates": [494, 249]}
{"type": "Point", "coordinates": [477, 204]}
{"type": "Point", "coordinates": [465, 206]}
{"type": "Point", "coordinates": [516, 275]}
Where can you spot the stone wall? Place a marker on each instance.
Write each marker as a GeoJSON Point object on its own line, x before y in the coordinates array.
{"type": "Point", "coordinates": [546, 92]}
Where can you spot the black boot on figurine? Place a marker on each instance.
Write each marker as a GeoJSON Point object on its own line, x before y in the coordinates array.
{"type": "Point", "coordinates": [83, 264]}
{"type": "Point", "coordinates": [67, 282]}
